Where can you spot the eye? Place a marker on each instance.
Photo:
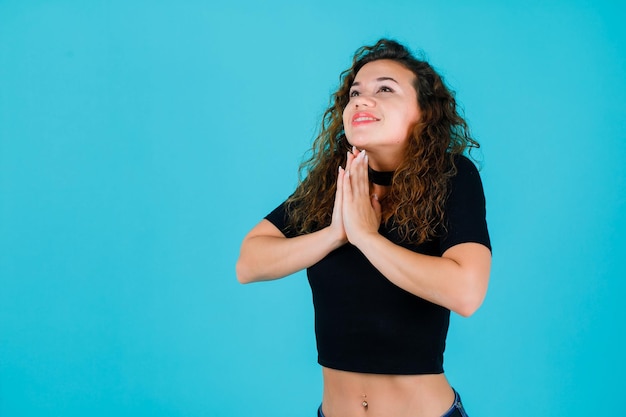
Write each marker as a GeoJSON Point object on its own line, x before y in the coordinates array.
{"type": "Point", "coordinates": [354, 93]}
{"type": "Point", "coordinates": [385, 89]}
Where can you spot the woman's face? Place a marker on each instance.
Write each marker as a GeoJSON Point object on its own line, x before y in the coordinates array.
{"type": "Point", "coordinates": [382, 109]}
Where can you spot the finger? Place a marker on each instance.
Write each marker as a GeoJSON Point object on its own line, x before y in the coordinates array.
{"type": "Point", "coordinates": [346, 187]}
{"type": "Point", "coordinates": [351, 156]}
{"type": "Point", "coordinates": [349, 160]}
{"type": "Point", "coordinates": [360, 177]}
{"type": "Point", "coordinates": [339, 191]}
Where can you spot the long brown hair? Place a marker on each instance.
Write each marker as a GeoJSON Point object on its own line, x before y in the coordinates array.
{"type": "Point", "coordinates": [420, 183]}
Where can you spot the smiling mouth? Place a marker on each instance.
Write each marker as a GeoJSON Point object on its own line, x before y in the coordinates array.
{"type": "Point", "coordinates": [361, 118]}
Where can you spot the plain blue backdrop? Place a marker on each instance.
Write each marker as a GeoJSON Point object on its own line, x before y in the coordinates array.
{"type": "Point", "coordinates": [141, 140]}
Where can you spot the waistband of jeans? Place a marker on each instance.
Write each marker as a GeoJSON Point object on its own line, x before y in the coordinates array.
{"type": "Point", "coordinates": [452, 411]}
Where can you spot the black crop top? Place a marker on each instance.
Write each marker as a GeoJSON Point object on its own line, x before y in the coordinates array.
{"type": "Point", "coordinates": [363, 322]}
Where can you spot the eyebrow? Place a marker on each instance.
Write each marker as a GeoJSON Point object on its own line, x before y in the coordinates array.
{"type": "Point", "coordinates": [377, 79]}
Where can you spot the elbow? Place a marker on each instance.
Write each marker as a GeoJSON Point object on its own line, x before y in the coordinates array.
{"type": "Point", "coordinates": [248, 269]}
{"type": "Point", "coordinates": [243, 272]}
{"type": "Point", "coordinates": [469, 286]}
{"type": "Point", "coordinates": [471, 300]}
{"type": "Point", "coordinates": [468, 306]}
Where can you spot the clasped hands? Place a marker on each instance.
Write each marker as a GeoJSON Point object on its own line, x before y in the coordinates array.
{"type": "Point", "coordinates": [356, 213]}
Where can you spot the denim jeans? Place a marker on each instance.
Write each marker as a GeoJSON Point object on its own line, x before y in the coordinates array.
{"type": "Point", "coordinates": [456, 410]}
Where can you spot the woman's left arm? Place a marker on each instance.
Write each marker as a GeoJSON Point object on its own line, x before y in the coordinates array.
{"type": "Point", "coordinates": [457, 280]}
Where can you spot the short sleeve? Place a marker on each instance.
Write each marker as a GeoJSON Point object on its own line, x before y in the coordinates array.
{"type": "Point", "coordinates": [279, 217]}
{"type": "Point", "coordinates": [465, 213]}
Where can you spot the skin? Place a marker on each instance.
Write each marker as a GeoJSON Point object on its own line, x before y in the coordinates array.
{"type": "Point", "coordinates": [383, 90]}
{"type": "Point", "coordinates": [381, 111]}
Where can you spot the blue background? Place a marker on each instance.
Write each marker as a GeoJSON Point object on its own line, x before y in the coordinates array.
{"type": "Point", "coordinates": [141, 140]}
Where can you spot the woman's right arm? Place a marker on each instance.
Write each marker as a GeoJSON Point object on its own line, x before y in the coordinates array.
{"type": "Point", "coordinates": [267, 254]}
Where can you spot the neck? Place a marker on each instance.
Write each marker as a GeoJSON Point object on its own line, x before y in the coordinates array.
{"type": "Point", "coordinates": [380, 177]}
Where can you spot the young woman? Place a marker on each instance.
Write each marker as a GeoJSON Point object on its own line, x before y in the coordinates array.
{"type": "Point", "coordinates": [389, 222]}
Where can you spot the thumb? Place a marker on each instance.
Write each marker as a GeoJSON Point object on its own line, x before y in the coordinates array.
{"type": "Point", "coordinates": [376, 205]}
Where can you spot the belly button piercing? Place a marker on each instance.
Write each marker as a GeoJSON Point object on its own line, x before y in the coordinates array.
{"type": "Point", "coordinates": [364, 403]}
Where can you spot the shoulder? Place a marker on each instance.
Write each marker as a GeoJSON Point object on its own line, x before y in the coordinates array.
{"type": "Point", "coordinates": [465, 207]}
{"type": "Point", "coordinates": [464, 166]}
{"type": "Point", "coordinates": [282, 217]}
{"type": "Point", "coordinates": [465, 175]}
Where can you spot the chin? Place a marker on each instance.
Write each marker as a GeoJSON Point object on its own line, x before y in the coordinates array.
{"type": "Point", "coordinates": [360, 143]}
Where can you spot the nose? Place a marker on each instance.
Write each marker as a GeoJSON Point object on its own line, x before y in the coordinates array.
{"type": "Point", "coordinates": [364, 101]}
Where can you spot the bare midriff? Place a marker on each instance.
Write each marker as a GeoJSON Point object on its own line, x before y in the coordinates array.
{"type": "Point", "coordinates": [351, 394]}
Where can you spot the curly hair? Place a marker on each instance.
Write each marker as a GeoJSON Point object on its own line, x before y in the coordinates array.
{"type": "Point", "coordinates": [420, 183]}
